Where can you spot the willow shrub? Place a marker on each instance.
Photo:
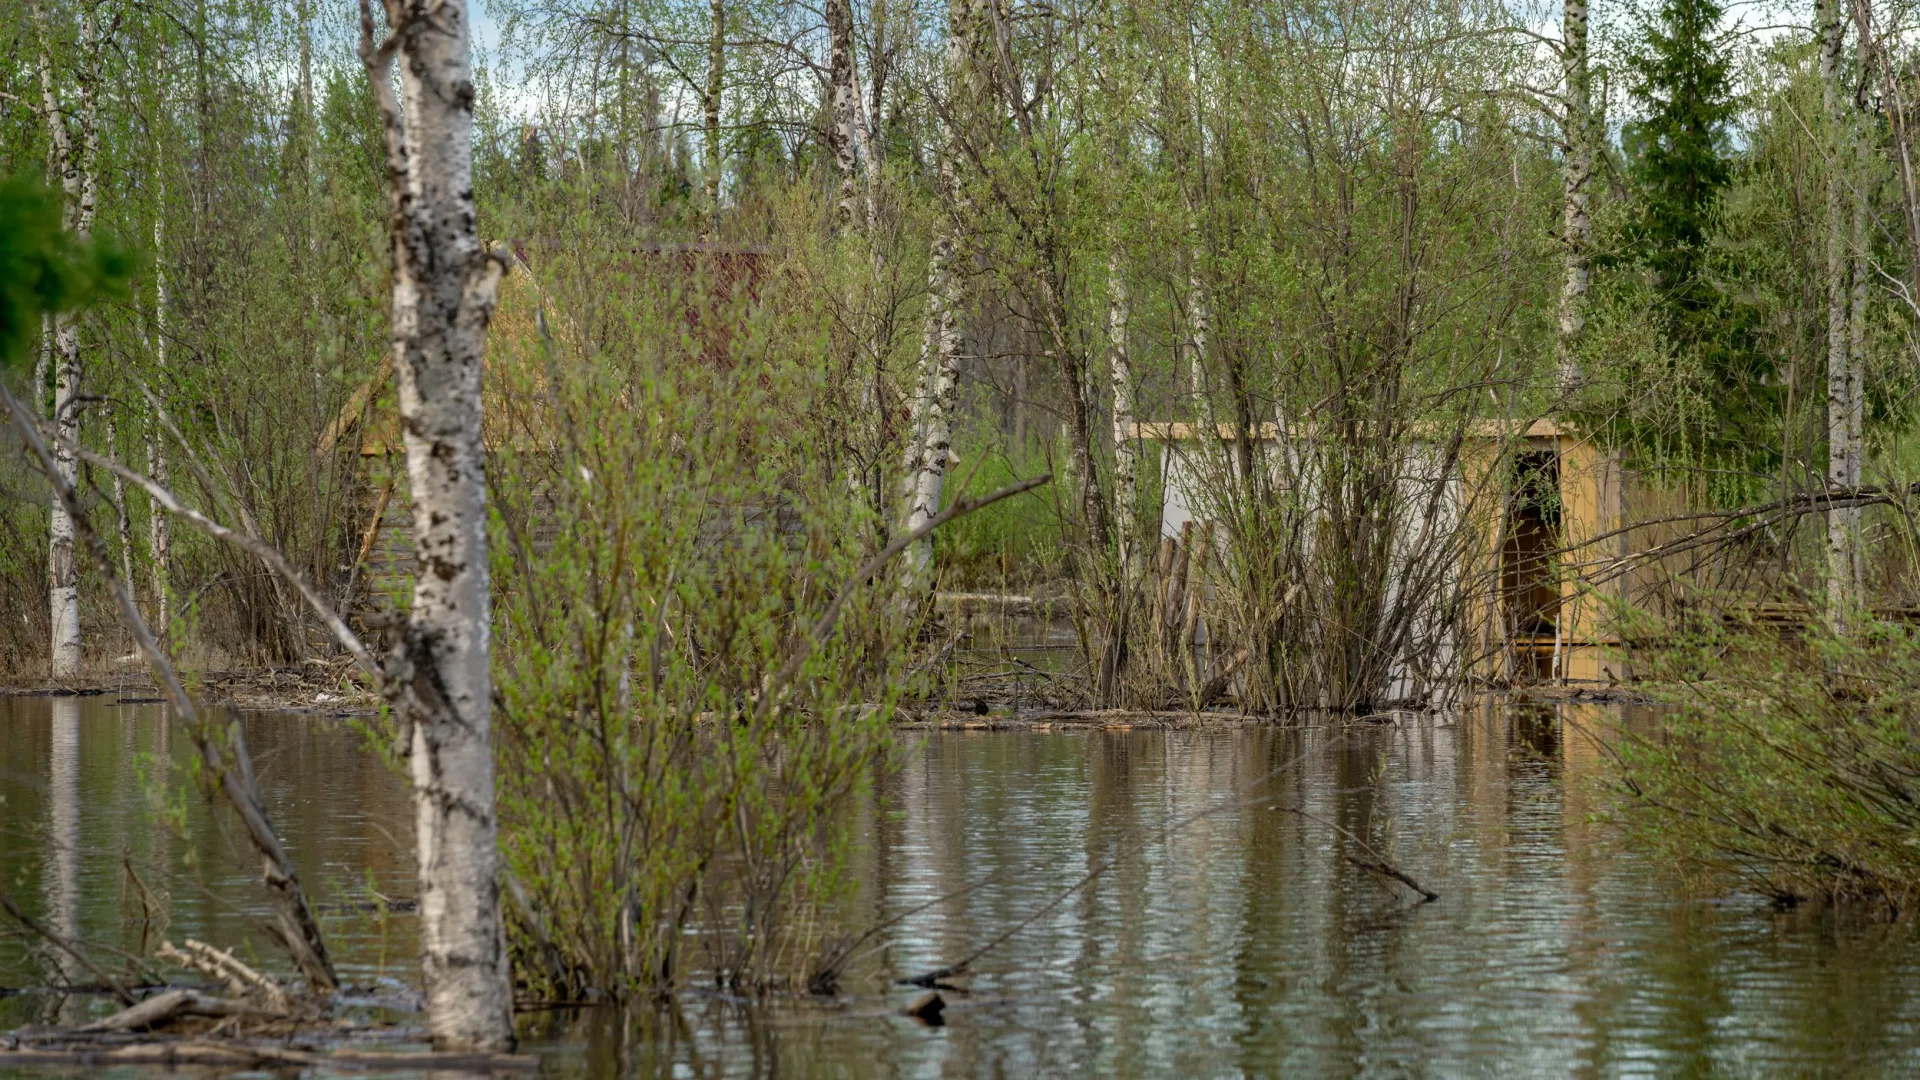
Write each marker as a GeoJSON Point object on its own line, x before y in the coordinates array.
{"type": "Point", "coordinates": [675, 744]}
{"type": "Point", "coordinates": [1788, 761]}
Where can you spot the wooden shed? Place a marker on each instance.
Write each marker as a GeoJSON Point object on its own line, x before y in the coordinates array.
{"type": "Point", "coordinates": [711, 288]}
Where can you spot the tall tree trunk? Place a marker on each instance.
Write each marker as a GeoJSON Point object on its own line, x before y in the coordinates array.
{"type": "Point", "coordinates": [710, 104]}
{"type": "Point", "coordinates": [42, 366]}
{"type": "Point", "coordinates": [843, 103]}
{"type": "Point", "coordinates": [1197, 329]}
{"type": "Point", "coordinates": [940, 363]}
{"type": "Point", "coordinates": [159, 551]}
{"type": "Point", "coordinates": [1576, 178]}
{"type": "Point", "coordinates": [1126, 469]}
{"type": "Point", "coordinates": [123, 524]}
{"type": "Point", "coordinates": [1843, 444]}
{"type": "Point", "coordinates": [1859, 123]}
{"type": "Point", "coordinates": [74, 153]}
{"type": "Point", "coordinates": [444, 285]}
{"type": "Point", "coordinates": [930, 449]}
{"type": "Point", "coordinates": [873, 135]}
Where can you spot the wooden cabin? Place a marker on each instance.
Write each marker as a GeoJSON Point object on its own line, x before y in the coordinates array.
{"type": "Point", "coordinates": [1560, 536]}
{"type": "Point", "coordinates": [712, 287]}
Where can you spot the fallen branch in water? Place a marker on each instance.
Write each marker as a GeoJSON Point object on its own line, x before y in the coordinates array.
{"type": "Point", "coordinates": [224, 966]}
{"type": "Point", "coordinates": [71, 948]}
{"type": "Point", "coordinates": [162, 1009]}
{"type": "Point", "coordinates": [232, 769]}
{"type": "Point", "coordinates": [254, 1055]}
{"type": "Point", "coordinates": [1372, 860]}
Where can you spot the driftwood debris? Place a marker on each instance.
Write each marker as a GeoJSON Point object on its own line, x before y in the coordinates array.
{"type": "Point", "coordinates": [71, 948]}
{"type": "Point", "coordinates": [256, 1055]}
{"type": "Point", "coordinates": [238, 977]}
{"type": "Point", "coordinates": [164, 1008]}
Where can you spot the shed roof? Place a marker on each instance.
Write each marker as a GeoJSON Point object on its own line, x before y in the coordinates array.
{"type": "Point", "coordinates": [370, 421]}
{"type": "Point", "coordinates": [1186, 431]}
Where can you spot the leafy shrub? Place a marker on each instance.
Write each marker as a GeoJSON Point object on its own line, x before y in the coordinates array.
{"type": "Point", "coordinates": [1789, 759]}
{"type": "Point", "coordinates": [679, 722]}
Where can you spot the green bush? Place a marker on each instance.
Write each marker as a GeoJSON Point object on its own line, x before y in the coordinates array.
{"type": "Point", "coordinates": [1789, 760]}
{"type": "Point", "coordinates": [676, 737]}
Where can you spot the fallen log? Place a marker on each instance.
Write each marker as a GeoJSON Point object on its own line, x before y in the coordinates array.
{"type": "Point", "coordinates": [224, 966]}
{"type": "Point", "coordinates": [162, 1009]}
{"type": "Point", "coordinates": [259, 1055]}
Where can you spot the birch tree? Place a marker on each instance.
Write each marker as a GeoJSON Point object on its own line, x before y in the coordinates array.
{"type": "Point", "coordinates": [843, 102]}
{"type": "Point", "coordinates": [76, 143]}
{"type": "Point", "coordinates": [444, 285]}
{"type": "Point", "coordinates": [1858, 242]}
{"type": "Point", "coordinates": [1126, 468]}
{"type": "Point", "coordinates": [932, 420]}
{"type": "Point", "coordinates": [159, 539]}
{"type": "Point", "coordinates": [1843, 392]}
{"type": "Point", "coordinates": [710, 105]}
{"type": "Point", "coordinates": [1576, 179]}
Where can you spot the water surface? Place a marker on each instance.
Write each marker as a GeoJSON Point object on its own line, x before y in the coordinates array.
{"type": "Point", "coordinates": [1236, 942]}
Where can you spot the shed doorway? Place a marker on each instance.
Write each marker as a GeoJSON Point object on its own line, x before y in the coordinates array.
{"type": "Point", "coordinates": [1529, 594]}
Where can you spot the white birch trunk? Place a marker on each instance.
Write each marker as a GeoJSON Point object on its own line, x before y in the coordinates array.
{"type": "Point", "coordinates": [74, 155]}
{"type": "Point", "coordinates": [1197, 328]}
{"type": "Point", "coordinates": [872, 137]}
{"type": "Point", "coordinates": [930, 452]}
{"type": "Point", "coordinates": [710, 105]}
{"type": "Point", "coordinates": [1126, 469]}
{"type": "Point", "coordinates": [940, 361]}
{"type": "Point", "coordinates": [1843, 446]}
{"type": "Point", "coordinates": [444, 285]}
{"type": "Point", "coordinates": [1576, 180]}
{"type": "Point", "coordinates": [843, 104]}
{"type": "Point", "coordinates": [42, 364]}
{"type": "Point", "coordinates": [158, 541]}
{"type": "Point", "coordinates": [123, 523]}
{"type": "Point", "coordinates": [1858, 272]}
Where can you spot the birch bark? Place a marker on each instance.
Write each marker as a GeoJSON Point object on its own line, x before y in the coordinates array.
{"type": "Point", "coordinates": [158, 539]}
{"type": "Point", "coordinates": [1843, 446]}
{"type": "Point", "coordinates": [873, 136]}
{"type": "Point", "coordinates": [1858, 273]}
{"type": "Point", "coordinates": [1197, 329]}
{"type": "Point", "coordinates": [1576, 180]}
{"type": "Point", "coordinates": [42, 364]}
{"type": "Point", "coordinates": [74, 153]}
{"type": "Point", "coordinates": [444, 285]}
{"type": "Point", "coordinates": [930, 451]}
{"type": "Point", "coordinates": [1126, 469]}
{"type": "Point", "coordinates": [843, 102]}
{"type": "Point", "coordinates": [940, 361]}
{"type": "Point", "coordinates": [123, 524]}
{"type": "Point", "coordinates": [710, 104]}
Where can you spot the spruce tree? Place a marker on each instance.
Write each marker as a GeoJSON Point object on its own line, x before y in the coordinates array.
{"type": "Point", "coordinates": [1680, 161]}
{"type": "Point", "coordinates": [1678, 157]}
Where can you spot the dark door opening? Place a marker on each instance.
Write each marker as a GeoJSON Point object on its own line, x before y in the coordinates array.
{"type": "Point", "coordinates": [1529, 594]}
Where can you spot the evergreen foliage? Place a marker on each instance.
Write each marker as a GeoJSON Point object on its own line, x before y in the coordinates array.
{"type": "Point", "coordinates": [1678, 156]}
{"type": "Point", "coordinates": [1682, 167]}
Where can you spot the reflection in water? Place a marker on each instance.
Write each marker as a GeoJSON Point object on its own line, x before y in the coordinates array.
{"type": "Point", "coordinates": [1241, 943]}
{"type": "Point", "coordinates": [83, 840]}
{"type": "Point", "coordinates": [61, 877]}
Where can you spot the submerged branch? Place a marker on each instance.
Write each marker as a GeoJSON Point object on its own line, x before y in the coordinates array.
{"type": "Point", "coordinates": [71, 948]}
{"type": "Point", "coordinates": [298, 930]}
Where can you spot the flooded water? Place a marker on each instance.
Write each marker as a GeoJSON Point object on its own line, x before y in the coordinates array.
{"type": "Point", "coordinates": [1235, 942]}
